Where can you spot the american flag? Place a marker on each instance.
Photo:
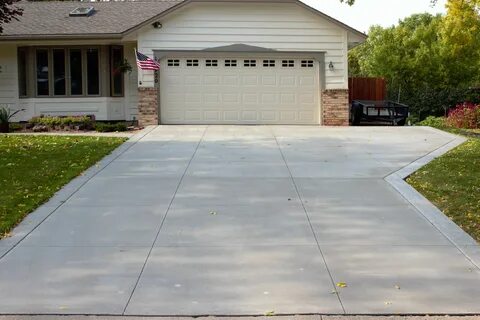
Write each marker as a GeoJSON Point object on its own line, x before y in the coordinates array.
{"type": "Point", "coordinates": [146, 63]}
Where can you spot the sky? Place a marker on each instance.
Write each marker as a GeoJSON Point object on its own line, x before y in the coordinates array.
{"type": "Point", "coordinates": [365, 13]}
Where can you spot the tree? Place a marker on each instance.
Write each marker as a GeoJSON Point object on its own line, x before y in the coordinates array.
{"type": "Point", "coordinates": [431, 60]}
{"type": "Point", "coordinates": [8, 12]}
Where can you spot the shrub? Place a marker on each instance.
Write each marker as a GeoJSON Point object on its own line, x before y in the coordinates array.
{"type": "Point", "coordinates": [77, 122]}
{"type": "Point", "coordinates": [432, 121]}
{"type": "Point", "coordinates": [110, 127]}
{"type": "Point", "coordinates": [464, 116]}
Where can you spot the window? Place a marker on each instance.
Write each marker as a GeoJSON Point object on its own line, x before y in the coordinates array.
{"type": "Point", "coordinates": [249, 63]}
{"type": "Point", "coordinates": [230, 63]}
{"type": "Point", "coordinates": [42, 72]}
{"type": "Point", "coordinates": [269, 63]}
{"type": "Point", "coordinates": [307, 63]}
{"type": "Point", "coordinates": [116, 75]}
{"type": "Point", "coordinates": [288, 63]}
{"type": "Point", "coordinates": [192, 63]}
{"type": "Point", "coordinates": [173, 62]}
{"type": "Point", "coordinates": [211, 63]}
{"type": "Point", "coordinates": [70, 71]}
{"type": "Point", "coordinates": [59, 80]}
{"type": "Point", "coordinates": [93, 72]}
{"type": "Point", "coordinates": [22, 72]}
{"type": "Point", "coordinates": [76, 73]}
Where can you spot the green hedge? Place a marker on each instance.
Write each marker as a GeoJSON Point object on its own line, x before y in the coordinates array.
{"type": "Point", "coordinates": [110, 127]}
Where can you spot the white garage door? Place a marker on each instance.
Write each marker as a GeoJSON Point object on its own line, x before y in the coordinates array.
{"type": "Point", "coordinates": [233, 90]}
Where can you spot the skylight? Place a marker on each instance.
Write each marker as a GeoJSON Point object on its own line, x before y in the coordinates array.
{"type": "Point", "coordinates": [81, 12]}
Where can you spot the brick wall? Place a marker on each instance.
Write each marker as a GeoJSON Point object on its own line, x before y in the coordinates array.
{"type": "Point", "coordinates": [148, 106]}
{"type": "Point", "coordinates": [335, 107]}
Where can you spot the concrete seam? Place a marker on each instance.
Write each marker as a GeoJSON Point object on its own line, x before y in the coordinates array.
{"type": "Point", "coordinates": [132, 141]}
{"type": "Point", "coordinates": [309, 222]}
{"type": "Point", "coordinates": [163, 220]}
{"type": "Point", "coordinates": [397, 181]}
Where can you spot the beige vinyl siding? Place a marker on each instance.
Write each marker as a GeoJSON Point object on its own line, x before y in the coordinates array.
{"type": "Point", "coordinates": [8, 76]}
{"type": "Point", "coordinates": [279, 26]}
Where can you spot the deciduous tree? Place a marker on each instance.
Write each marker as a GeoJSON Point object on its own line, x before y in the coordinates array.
{"type": "Point", "coordinates": [8, 11]}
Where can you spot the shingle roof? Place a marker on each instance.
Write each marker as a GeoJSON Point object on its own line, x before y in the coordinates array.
{"type": "Point", "coordinates": [113, 17]}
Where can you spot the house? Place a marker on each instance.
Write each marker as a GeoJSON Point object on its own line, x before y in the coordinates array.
{"type": "Point", "coordinates": [222, 62]}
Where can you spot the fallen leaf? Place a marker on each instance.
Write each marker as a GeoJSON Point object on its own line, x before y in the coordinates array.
{"type": "Point", "coordinates": [397, 287]}
{"type": "Point", "coordinates": [270, 313]}
{"type": "Point", "coordinates": [342, 284]}
{"type": "Point", "coordinates": [213, 213]}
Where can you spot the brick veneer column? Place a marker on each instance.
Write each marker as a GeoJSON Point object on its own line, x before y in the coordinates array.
{"type": "Point", "coordinates": [335, 107]}
{"type": "Point", "coordinates": [147, 106]}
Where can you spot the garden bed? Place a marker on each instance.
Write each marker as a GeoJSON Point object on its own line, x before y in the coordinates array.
{"type": "Point", "coordinates": [71, 124]}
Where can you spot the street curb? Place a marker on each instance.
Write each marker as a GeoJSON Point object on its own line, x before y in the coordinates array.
{"type": "Point", "coordinates": [34, 219]}
{"type": "Point", "coordinates": [459, 238]}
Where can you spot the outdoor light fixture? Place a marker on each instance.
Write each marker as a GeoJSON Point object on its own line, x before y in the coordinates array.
{"type": "Point", "coordinates": [331, 67]}
{"type": "Point", "coordinates": [157, 25]}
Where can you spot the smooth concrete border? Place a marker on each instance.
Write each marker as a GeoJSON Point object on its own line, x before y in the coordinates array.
{"type": "Point", "coordinates": [459, 238]}
{"type": "Point", "coordinates": [34, 219]}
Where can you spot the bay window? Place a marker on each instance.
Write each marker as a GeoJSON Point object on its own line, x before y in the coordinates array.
{"type": "Point", "coordinates": [71, 71]}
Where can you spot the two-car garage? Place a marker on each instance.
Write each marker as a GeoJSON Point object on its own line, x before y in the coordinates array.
{"type": "Point", "coordinates": [239, 89]}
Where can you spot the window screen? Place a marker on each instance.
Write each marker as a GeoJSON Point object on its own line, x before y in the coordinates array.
{"type": "Point", "coordinates": [59, 80]}
{"type": "Point", "coordinates": [76, 79]}
{"type": "Point", "coordinates": [42, 72]}
{"type": "Point", "coordinates": [93, 74]}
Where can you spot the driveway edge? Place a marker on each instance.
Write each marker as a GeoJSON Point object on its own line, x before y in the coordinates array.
{"type": "Point", "coordinates": [459, 238]}
{"type": "Point", "coordinates": [35, 218]}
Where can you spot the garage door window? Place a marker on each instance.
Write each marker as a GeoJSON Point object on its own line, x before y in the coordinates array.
{"type": "Point", "coordinates": [192, 63]}
{"type": "Point", "coordinates": [249, 63]}
{"type": "Point", "coordinates": [307, 63]}
{"type": "Point", "coordinates": [269, 63]}
{"type": "Point", "coordinates": [211, 63]}
{"type": "Point", "coordinates": [230, 63]}
{"type": "Point", "coordinates": [288, 63]}
{"type": "Point", "coordinates": [173, 63]}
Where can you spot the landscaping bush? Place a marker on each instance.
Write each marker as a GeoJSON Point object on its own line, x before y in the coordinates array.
{"type": "Point", "coordinates": [432, 121]}
{"type": "Point", "coordinates": [464, 116]}
{"type": "Point", "coordinates": [426, 101]}
{"type": "Point", "coordinates": [110, 127]}
{"type": "Point", "coordinates": [68, 122]}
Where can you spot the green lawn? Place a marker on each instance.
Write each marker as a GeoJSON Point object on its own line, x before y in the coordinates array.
{"type": "Point", "coordinates": [452, 183]}
{"type": "Point", "coordinates": [33, 168]}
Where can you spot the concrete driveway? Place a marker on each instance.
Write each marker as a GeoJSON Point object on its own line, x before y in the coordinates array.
{"type": "Point", "coordinates": [242, 220]}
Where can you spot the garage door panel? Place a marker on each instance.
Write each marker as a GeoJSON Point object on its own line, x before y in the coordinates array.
{"type": "Point", "coordinates": [229, 92]}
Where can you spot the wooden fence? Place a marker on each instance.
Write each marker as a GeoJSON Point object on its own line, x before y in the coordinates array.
{"type": "Point", "coordinates": [367, 89]}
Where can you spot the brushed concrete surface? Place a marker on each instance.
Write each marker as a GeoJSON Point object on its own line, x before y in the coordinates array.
{"type": "Point", "coordinates": [243, 220]}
